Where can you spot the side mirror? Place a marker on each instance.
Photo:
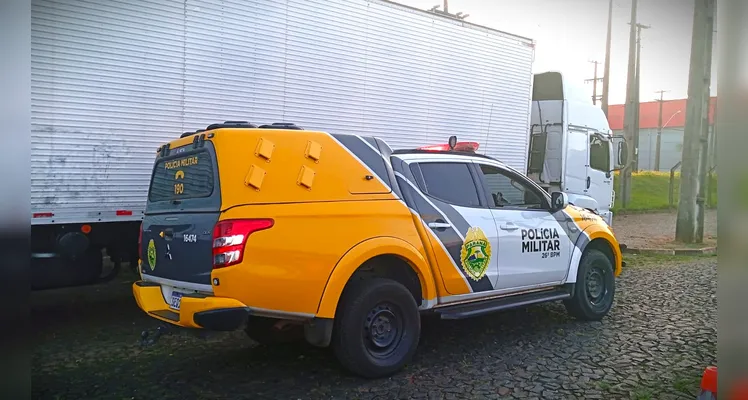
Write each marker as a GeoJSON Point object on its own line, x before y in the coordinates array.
{"type": "Point", "coordinates": [623, 154]}
{"type": "Point", "coordinates": [559, 201]}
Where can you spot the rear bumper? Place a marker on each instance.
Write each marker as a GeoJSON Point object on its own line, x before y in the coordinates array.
{"type": "Point", "coordinates": [196, 310]}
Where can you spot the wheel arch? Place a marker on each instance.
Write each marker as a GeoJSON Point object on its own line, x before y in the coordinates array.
{"type": "Point", "coordinates": [381, 257]}
{"type": "Point", "coordinates": [595, 237]}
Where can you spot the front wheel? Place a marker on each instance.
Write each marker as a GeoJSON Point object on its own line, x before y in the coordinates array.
{"type": "Point", "coordinates": [377, 327]}
{"type": "Point", "coordinates": [595, 287]}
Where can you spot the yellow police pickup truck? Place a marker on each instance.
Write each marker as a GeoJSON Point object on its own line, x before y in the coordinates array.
{"type": "Point", "coordinates": [289, 233]}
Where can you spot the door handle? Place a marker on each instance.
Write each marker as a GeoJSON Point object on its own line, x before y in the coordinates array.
{"type": "Point", "coordinates": [509, 227]}
{"type": "Point", "coordinates": [439, 224]}
{"type": "Point", "coordinates": [167, 234]}
{"type": "Point", "coordinates": [589, 182]}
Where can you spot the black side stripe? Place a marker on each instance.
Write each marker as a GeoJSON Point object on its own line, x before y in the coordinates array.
{"type": "Point", "coordinates": [454, 216]}
{"type": "Point", "coordinates": [369, 156]}
{"type": "Point", "coordinates": [575, 234]}
{"type": "Point", "coordinates": [451, 238]}
{"type": "Point", "coordinates": [370, 140]}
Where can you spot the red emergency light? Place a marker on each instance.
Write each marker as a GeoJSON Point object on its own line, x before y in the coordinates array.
{"type": "Point", "coordinates": [470, 147]}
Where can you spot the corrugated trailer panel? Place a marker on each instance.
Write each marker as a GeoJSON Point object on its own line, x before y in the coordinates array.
{"type": "Point", "coordinates": [107, 90]}
{"type": "Point", "coordinates": [114, 80]}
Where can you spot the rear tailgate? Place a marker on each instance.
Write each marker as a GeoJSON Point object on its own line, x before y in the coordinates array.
{"type": "Point", "coordinates": [184, 202]}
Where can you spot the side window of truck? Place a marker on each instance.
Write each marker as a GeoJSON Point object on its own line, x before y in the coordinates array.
{"type": "Point", "coordinates": [509, 192]}
{"type": "Point", "coordinates": [449, 182]}
{"type": "Point", "coordinates": [599, 154]}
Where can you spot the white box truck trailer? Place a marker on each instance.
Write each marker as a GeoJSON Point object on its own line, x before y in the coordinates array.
{"type": "Point", "coordinates": [112, 81]}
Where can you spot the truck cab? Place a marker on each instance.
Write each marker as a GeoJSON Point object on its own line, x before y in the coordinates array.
{"type": "Point", "coordinates": [571, 147]}
{"type": "Point", "coordinates": [342, 241]}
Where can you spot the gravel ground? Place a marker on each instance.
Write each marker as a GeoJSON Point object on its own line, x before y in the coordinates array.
{"type": "Point", "coordinates": [657, 229]}
{"type": "Point", "coordinates": [655, 343]}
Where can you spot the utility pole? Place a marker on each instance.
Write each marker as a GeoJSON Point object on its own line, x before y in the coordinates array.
{"type": "Point", "coordinates": [435, 10]}
{"type": "Point", "coordinates": [594, 81]}
{"type": "Point", "coordinates": [704, 156]}
{"type": "Point", "coordinates": [658, 146]}
{"type": "Point", "coordinates": [689, 226]}
{"type": "Point", "coordinates": [637, 91]}
{"type": "Point", "coordinates": [630, 110]}
{"type": "Point", "coordinates": [606, 67]}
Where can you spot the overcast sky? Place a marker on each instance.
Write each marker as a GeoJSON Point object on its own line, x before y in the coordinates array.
{"type": "Point", "coordinates": [570, 33]}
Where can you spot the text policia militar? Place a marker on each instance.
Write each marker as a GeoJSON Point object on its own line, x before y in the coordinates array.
{"type": "Point", "coordinates": [546, 240]}
{"type": "Point", "coordinates": [184, 162]}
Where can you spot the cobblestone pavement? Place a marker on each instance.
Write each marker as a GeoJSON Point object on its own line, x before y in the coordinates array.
{"type": "Point", "coordinates": [656, 229]}
{"type": "Point", "coordinates": [655, 343]}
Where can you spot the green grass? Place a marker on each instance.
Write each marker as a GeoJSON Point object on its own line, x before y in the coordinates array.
{"type": "Point", "coordinates": [646, 260]}
{"type": "Point", "coordinates": [650, 191]}
{"type": "Point", "coordinates": [642, 394]}
{"type": "Point", "coordinates": [687, 385]}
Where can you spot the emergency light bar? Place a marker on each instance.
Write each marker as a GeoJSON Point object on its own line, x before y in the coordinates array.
{"type": "Point", "coordinates": [470, 147]}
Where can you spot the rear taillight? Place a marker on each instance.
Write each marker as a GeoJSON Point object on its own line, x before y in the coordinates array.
{"type": "Point", "coordinates": [230, 238]}
{"type": "Point", "coordinates": [140, 240]}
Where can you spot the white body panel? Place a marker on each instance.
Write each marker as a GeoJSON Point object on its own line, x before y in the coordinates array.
{"type": "Point", "coordinates": [111, 81]}
{"type": "Point", "coordinates": [575, 167]}
{"type": "Point", "coordinates": [482, 218]}
{"type": "Point", "coordinates": [523, 261]}
{"type": "Point", "coordinates": [519, 261]}
{"type": "Point", "coordinates": [570, 119]}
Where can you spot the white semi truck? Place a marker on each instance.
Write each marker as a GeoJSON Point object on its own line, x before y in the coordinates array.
{"type": "Point", "coordinates": [112, 81]}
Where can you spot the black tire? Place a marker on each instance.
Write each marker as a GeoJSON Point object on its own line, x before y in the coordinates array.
{"type": "Point", "coordinates": [91, 265]}
{"type": "Point", "coordinates": [383, 306]}
{"type": "Point", "coordinates": [595, 288]}
{"type": "Point", "coordinates": [263, 331]}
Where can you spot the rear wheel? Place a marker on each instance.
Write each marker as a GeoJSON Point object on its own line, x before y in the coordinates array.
{"type": "Point", "coordinates": [595, 287]}
{"type": "Point", "coordinates": [377, 327]}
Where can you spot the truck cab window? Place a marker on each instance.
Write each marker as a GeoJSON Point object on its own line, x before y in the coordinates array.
{"type": "Point", "coordinates": [509, 192]}
{"type": "Point", "coordinates": [450, 182]}
{"type": "Point", "coordinates": [599, 154]}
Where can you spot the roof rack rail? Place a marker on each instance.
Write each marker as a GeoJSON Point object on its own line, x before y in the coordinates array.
{"type": "Point", "coordinates": [191, 133]}
{"type": "Point", "coordinates": [281, 125]}
{"type": "Point", "coordinates": [230, 124]}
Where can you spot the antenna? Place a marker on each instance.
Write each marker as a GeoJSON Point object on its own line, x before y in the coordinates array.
{"type": "Point", "coordinates": [488, 130]}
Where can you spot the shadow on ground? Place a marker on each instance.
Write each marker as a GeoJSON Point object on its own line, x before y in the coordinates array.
{"type": "Point", "coordinates": [658, 338]}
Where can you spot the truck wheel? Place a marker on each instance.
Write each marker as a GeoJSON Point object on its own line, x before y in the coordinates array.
{"type": "Point", "coordinates": [91, 265]}
{"type": "Point", "coordinates": [263, 331]}
{"type": "Point", "coordinates": [377, 327]}
{"type": "Point", "coordinates": [595, 287]}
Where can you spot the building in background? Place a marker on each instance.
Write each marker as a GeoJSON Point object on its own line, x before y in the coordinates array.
{"type": "Point", "coordinates": [673, 121]}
